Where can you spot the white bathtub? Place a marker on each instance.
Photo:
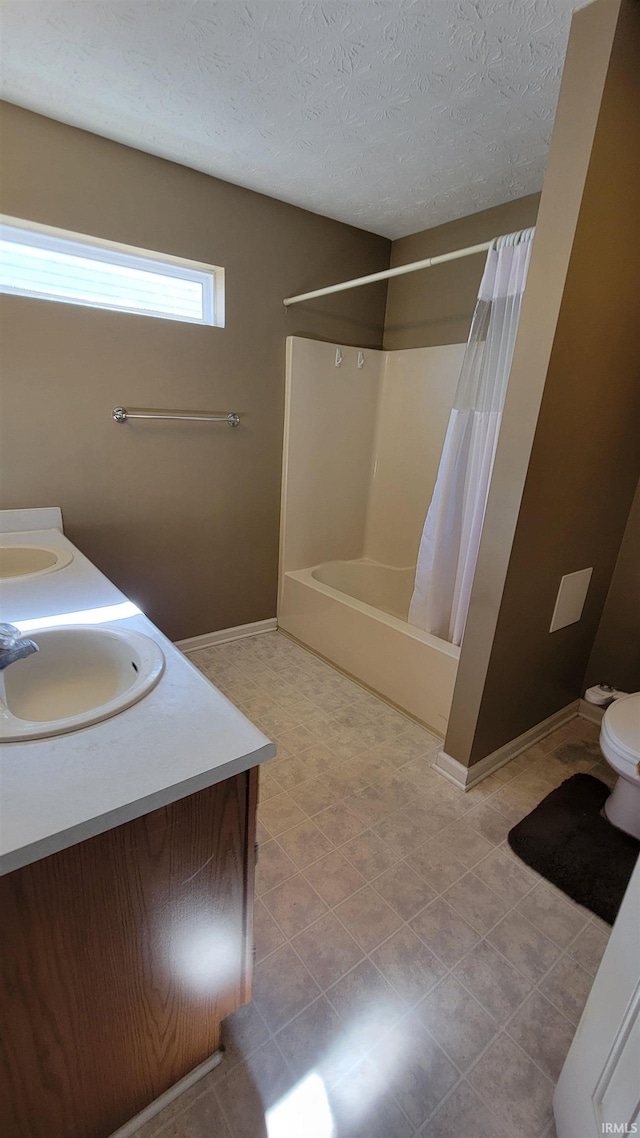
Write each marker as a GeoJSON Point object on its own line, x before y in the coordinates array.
{"type": "Point", "coordinates": [354, 614]}
{"type": "Point", "coordinates": [383, 587]}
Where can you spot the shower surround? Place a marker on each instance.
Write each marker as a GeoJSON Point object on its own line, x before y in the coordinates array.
{"type": "Point", "coordinates": [361, 452]}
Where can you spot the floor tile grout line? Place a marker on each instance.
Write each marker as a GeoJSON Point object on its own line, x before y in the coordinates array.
{"type": "Point", "coordinates": [371, 882]}
{"type": "Point", "coordinates": [230, 1128]}
{"type": "Point", "coordinates": [340, 763]}
{"type": "Point", "coordinates": [554, 943]}
{"type": "Point", "coordinates": [576, 937]}
{"type": "Point", "coordinates": [486, 801]}
{"type": "Point", "coordinates": [429, 838]}
{"type": "Point", "coordinates": [510, 962]}
{"type": "Point", "coordinates": [482, 1092]}
{"type": "Point", "coordinates": [449, 969]}
{"type": "Point", "coordinates": [531, 1057]}
{"type": "Point", "coordinates": [365, 956]}
{"type": "Point", "coordinates": [218, 1098]}
{"type": "Point", "coordinates": [272, 1035]}
{"type": "Point", "coordinates": [535, 985]}
{"type": "Point", "coordinates": [562, 956]}
{"type": "Point", "coordinates": [503, 1027]}
{"type": "Point", "coordinates": [449, 1094]}
{"type": "Point", "coordinates": [438, 892]}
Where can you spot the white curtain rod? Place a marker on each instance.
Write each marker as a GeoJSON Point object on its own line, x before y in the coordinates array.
{"type": "Point", "coordinates": [413, 267]}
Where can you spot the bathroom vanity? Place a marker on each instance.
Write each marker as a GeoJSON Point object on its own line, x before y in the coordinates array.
{"type": "Point", "coordinates": [127, 861]}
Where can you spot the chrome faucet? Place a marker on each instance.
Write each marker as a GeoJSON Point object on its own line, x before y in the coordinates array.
{"type": "Point", "coordinates": [14, 646]}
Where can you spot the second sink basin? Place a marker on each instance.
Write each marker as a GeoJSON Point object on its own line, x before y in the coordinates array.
{"type": "Point", "coordinates": [78, 677]}
{"type": "Point", "coordinates": [31, 560]}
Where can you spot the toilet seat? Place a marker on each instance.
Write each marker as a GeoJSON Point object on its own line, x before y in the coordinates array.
{"type": "Point", "coordinates": [620, 736]}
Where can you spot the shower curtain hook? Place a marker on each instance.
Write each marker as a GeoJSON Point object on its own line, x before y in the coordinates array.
{"type": "Point", "coordinates": [338, 357]}
{"type": "Point", "coordinates": [360, 359]}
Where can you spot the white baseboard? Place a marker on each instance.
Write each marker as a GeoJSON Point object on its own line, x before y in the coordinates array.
{"type": "Point", "coordinates": [135, 1124]}
{"type": "Point", "coordinates": [591, 711]}
{"type": "Point", "coordinates": [223, 635]}
{"type": "Point", "coordinates": [467, 777]}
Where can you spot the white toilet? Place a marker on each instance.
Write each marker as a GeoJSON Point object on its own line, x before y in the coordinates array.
{"type": "Point", "coordinates": [620, 745]}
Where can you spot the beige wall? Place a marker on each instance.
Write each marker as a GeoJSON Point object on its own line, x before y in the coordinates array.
{"type": "Point", "coordinates": [416, 395]}
{"type": "Point", "coordinates": [578, 348]}
{"type": "Point", "coordinates": [436, 306]}
{"type": "Point", "coordinates": [615, 656]}
{"type": "Point", "coordinates": [183, 518]}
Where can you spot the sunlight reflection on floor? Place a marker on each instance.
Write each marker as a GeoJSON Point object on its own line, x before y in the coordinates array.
{"type": "Point", "coordinates": [306, 1105]}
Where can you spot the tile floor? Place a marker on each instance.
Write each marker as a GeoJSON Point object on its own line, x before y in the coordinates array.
{"type": "Point", "coordinates": [412, 976]}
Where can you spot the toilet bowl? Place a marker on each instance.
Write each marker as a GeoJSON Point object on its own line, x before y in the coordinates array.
{"type": "Point", "coordinates": [620, 745]}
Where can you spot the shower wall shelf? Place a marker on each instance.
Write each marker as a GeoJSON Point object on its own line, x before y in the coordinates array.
{"type": "Point", "coordinates": [123, 414]}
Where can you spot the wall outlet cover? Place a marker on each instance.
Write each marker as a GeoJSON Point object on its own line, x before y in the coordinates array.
{"type": "Point", "coordinates": [570, 599]}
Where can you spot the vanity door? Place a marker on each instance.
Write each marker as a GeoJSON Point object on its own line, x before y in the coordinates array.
{"type": "Point", "coordinates": [119, 958]}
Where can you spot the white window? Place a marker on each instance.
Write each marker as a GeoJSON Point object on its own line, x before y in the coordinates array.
{"type": "Point", "coordinates": [54, 264]}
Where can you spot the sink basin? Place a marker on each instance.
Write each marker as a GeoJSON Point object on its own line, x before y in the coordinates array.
{"type": "Point", "coordinates": [78, 677]}
{"type": "Point", "coordinates": [31, 560]}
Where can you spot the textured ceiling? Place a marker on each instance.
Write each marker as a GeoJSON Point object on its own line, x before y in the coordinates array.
{"type": "Point", "coordinates": [393, 115]}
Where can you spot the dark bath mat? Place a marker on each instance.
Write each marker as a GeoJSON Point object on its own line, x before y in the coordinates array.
{"type": "Point", "coordinates": [569, 842]}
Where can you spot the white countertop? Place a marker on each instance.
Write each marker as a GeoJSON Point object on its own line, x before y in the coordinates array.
{"type": "Point", "coordinates": [183, 736]}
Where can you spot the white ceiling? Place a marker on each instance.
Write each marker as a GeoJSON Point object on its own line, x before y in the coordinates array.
{"type": "Point", "coordinates": [393, 115]}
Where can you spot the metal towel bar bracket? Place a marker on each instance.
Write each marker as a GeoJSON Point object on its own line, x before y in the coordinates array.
{"type": "Point", "coordinates": [122, 414]}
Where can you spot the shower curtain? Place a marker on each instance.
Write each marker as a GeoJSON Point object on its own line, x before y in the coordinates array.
{"type": "Point", "coordinates": [451, 536]}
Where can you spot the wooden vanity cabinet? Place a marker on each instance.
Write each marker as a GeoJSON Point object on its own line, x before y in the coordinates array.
{"type": "Point", "coordinates": [120, 956]}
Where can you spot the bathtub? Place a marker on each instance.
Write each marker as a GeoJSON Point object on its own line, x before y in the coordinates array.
{"type": "Point", "coordinates": [382, 587]}
{"type": "Point", "coordinates": [354, 614]}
